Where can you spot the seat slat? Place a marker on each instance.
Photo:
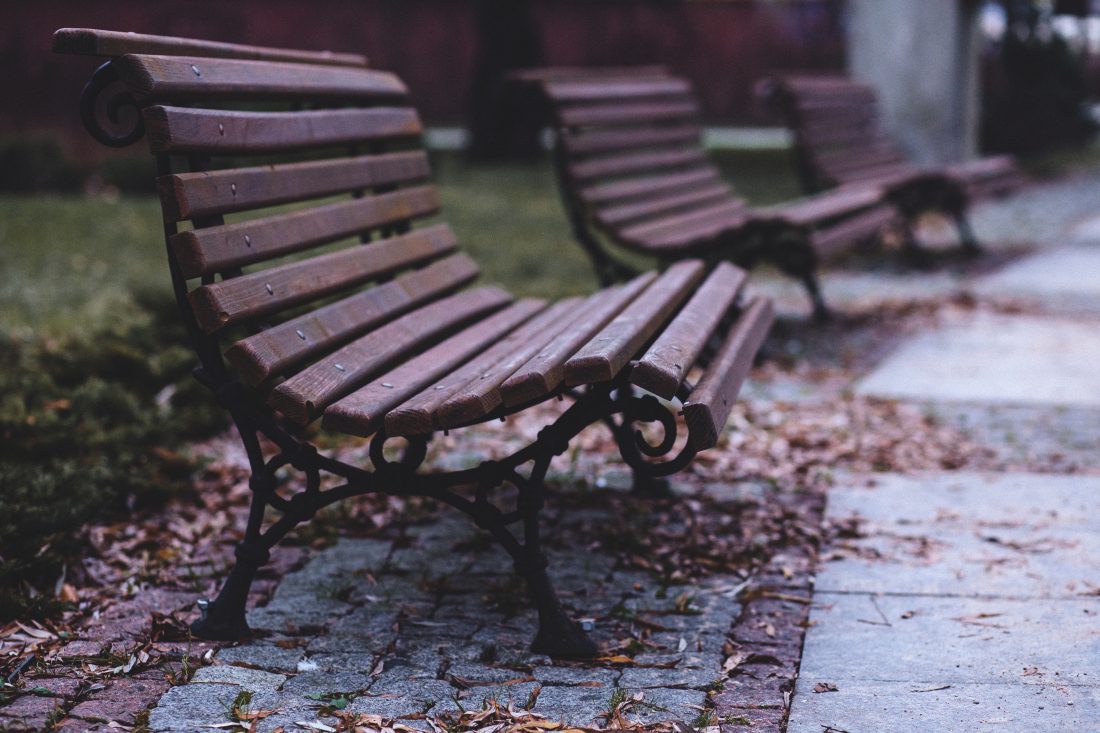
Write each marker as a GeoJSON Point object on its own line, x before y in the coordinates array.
{"type": "Point", "coordinates": [303, 397]}
{"type": "Point", "coordinates": [279, 348]}
{"type": "Point", "coordinates": [812, 210]}
{"type": "Point", "coordinates": [827, 241]}
{"type": "Point", "coordinates": [637, 113]}
{"type": "Point", "coordinates": [617, 165]}
{"type": "Point", "coordinates": [603, 90]}
{"type": "Point", "coordinates": [603, 141]}
{"type": "Point", "coordinates": [94, 42]}
{"type": "Point", "coordinates": [663, 367]}
{"type": "Point", "coordinates": [649, 185]}
{"type": "Point", "coordinates": [213, 131]}
{"type": "Point", "coordinates": [688, 229]}
{"type": "Point", "coordinates": [192, 195]}
{"type": "Point", "coordinates": [197, 77]}
{"type": "Point", "coordinates": [619, 341]}
{"type": "Point", "coordinates": [217, 248]}
{"type": "Point", "coordinates": [545, 372]}
{"type": "Point", "coordinates": [662, 204]}
{"type": "Point", "coordinates": [420, 414]}
{"type": "Point", "coordinates": [709, 405]}
{"type": "Point", "coordinates": [362, 412]}
{"type": "Point", "coordinates": [268, 291]}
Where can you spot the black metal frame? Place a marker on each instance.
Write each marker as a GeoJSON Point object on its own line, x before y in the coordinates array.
{"type": "Point", "coordinates": [616, 404]}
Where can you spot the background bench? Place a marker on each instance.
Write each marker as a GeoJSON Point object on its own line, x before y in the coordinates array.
{"type": "Point", "coordinates": [839, 141]}
{"type": "Point", "coordinates": [633, 172]}
{"type": "Point", "coordinates": [292, 187]}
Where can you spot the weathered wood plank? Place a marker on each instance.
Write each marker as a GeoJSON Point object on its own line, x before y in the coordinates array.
{"type": "Point", "coordinates": [194, 195]}
{"type": "Point", "coordinates": [664, 365]}
{"type": "Point", "coordinates": [812, 210]}
{"type": "Point", "coordinates": [627, 188]}
{"type": "Point", "coordinates": [827, 241]}
{"type": "Point", "coordinates": [94, 42]}
{"type": "Point", "coordinates": [625, 114]}
{"type": "Point", "coordinates": [195, 77]}
{"type": "Point", "coordinates": [218, 248]}
{"type": "Point", "coordinates": [362, 412]}
{"type": "Point", "coordinates": [475, 385]}
{"type": "Point", "coordinates": [304, 396]}
{"type": "Point", "coordinates": [600, 90]}
{"type": "Point", "coordinates": [605, 355]}
{"type": "Point", "coordinates": [689, 229]}
{"type": "Point", "coordinates": [215, 131]}
{"type": "Point", "coordinates": [663, 204]}
{"type": "Point", "coordinates": [604, 141]}
{"type": "Point", "coordinates": [709, 405]}
{"type": "Point", "coordinates": [545, 372]}
{"type": "Point", "coordinates": [268, 291]}
{"type": "Point", "coordinates": [279, 348]}
{"type": "Point", "coordinates": [617, 165]}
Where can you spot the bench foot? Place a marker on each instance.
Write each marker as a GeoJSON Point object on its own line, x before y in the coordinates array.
{"type": "Point", "coordinates": [223, 619]}
{"type": "Point", "coordinates": [813, 289]}
{"type": "Point", "coordinates": [967, 239]}
{"type": "Point", "coordinates": [558, 635]}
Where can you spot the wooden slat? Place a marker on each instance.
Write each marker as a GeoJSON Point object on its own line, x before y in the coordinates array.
{"type": "Point", "coordinates": [93, 42]}
{"type": "Point", "coordinates": [575, 73]}
{"type": "Point", "coordinates": [828, 241]}
{"type": "Point", "coordinates": [362, 412]}
{"type": "Point", "coordinates": [709, 405]}
{"type": "Point", "coordinates": [303, 397]}
{"type": "Point", "coordinates": [279, 348]}
{"type": "Point", "coordinates": [196, 77]}
{"type": "Point", "coordinates": [603, 141]}
{"type": "Point", "coordinates": [217, 248]}
{"type": "Point", "coordinates": [474, 380]}
{"type": "Point", "coordinates": [619, 341]}
{"type": "Point", "coordinates": [192, 195]}
{"type": "Point", "coordinates": [545, 372]}
{"type": "Point", "coordinates": [603, 90]}
{"type": "Point", "coordinates": [268, 291]}
{"type": "Point", "coordinates": [214, 131]}
{"type": "Point", "coordinates": [689, 229]}
{"type": "Point", "coordinates": [617, 165]}
{"type": "Point", "coordinates": [649, 185]}
{"type": "Point", "coordinates": [663, 204]}
{"type": "Point", "coordinates": [833, 204]}
{"type": "Point", "coordinates": [637, 113]}
{"type": "Point", "coordinates": [664, 365]}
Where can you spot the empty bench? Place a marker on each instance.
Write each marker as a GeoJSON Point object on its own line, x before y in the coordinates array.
{"type": "Point", "coordinates": [839, 141]}
{"type": "Point", "coordinates": [633, 173]}
{"type": "Point", "coordinates": [292, 184]}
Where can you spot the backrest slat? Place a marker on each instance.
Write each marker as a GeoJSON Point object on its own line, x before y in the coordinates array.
{"type": "Point", "coordinates": [217, 248]}
{"type": "Point", "coordinates": [93, 42]}
{"type": "Point", "coordinates": [615, 165]}
{"type": "Point", "coordinates": [602, 141]}
{"type": "Point", "coordinates": [629, 113]}
{"type": "Point", "coordinates": [196, 195]}
{"type": "Point", "coordinates": [268, 291]}
{"type": "Point", "coordinates": [196, 77]}
{"type": "Point", "coordinates": [603, 90]}
{"type": "Point", "coordinates": [275, 350]}
{"type": "Point", "coordinates": [212, 131]}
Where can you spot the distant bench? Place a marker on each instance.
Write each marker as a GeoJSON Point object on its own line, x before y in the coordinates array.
{"type": "Point", "coordinates": [290, 183]}
{"type": "Point", "coordinates": [839, 141]}
{"type": "Point", "coordinates": [633, 173]}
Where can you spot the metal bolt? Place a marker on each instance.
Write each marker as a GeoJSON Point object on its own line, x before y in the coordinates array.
{"type": "Point", "coordinates": [301, 335]}
{"type": "Point", "coordinates": [387, 385]}
{"type": "Point", "coordinates": [247, 241]}
{"type": "Point", "coordinates": [221, 129]}
{"type": "Point", "coordinates": [340, 367]}
{"type": "Point", "coordinates": [587, 624]}
{"type": "Point", "coordinates": [233, 188]}
{"type": "Point", "coordinates": [196, 70]}
{"type": "Point", "coordinates": [441, 386]}
{"type": "Point", "coordinates": [270, 290]}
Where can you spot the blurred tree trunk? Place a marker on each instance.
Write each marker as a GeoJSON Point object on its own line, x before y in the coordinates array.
{"type": "Point", "coordinates": [504, 121]}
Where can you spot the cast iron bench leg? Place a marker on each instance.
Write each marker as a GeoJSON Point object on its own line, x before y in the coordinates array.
{"type": "Point", "coordinates": [967, 238]}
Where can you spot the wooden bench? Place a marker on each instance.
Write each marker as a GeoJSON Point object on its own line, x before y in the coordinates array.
{"type": "Point", "coordinates": [290, 184]}
{"type": "Point", "coordinates": [633, 173]}
{"type": "Point", "coordinates": [839, 141]}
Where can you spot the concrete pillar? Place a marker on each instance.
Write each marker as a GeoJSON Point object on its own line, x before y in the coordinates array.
{"type": "Point", "coordinates": [922, 58]}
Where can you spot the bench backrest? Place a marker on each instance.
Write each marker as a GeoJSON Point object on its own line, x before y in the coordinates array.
{"type": "Point", "coordinates": [837, 129]}
{"type": "Point", "coordinates": [629, 151]}
{"type": "Point", "coordinates": [289, 190]}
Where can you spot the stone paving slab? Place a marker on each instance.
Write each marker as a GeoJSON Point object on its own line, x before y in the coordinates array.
{"type": "Point", "coordinates": [1064, 279]}
{"type": "Point", "coordinates": [905, 707]}
{"type": "Point", "coordinates": [917, 636]}
{"type": "Point", "coordinates": [995, 358]}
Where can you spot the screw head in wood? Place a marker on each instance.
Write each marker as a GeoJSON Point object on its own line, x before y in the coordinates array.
{"type": "Point", "coordinates": [196, 70]}
{"type": "Point", "coordinates": [270, 290]}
